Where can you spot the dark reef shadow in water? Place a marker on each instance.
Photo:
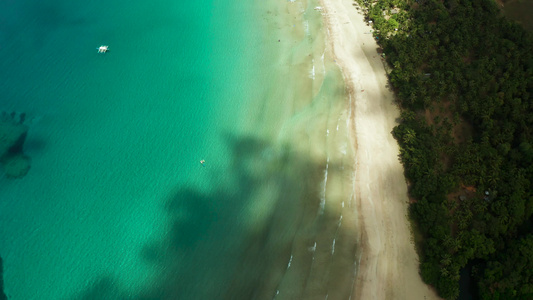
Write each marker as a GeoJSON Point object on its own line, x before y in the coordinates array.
{"type": "Point", "coordinates": [3, 296]}
{"type": "Point", "coordinates": [33, 144]}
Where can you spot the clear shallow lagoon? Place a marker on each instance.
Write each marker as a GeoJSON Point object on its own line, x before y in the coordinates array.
{"type": "Point", "coordinates": [116, 204]}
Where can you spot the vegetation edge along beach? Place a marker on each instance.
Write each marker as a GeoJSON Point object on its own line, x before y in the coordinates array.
{"type": "Point", "coordinates": [463, 76]}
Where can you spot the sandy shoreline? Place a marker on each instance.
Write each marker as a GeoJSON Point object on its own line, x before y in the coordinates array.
{"type": "Point", "coordinates": [388, 261]}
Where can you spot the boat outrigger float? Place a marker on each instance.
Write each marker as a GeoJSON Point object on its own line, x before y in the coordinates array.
{"type": "Point", "coordinates": [103, 49]}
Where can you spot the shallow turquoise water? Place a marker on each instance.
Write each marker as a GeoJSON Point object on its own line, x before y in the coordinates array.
{"type": "Point", "coordinates": [116, 196]}
{"type": "Point", "coordinates": [117, 205]}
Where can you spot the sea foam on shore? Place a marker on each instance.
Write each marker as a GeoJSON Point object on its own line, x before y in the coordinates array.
{"type": "Point", "coordinates": [303, 212]}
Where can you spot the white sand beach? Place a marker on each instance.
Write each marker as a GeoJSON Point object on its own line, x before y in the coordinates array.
{"type": "Point", "coordinates": [388, 261]}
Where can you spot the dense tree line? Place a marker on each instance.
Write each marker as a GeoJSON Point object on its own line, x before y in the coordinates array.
{"type": "Point", "coordinates": [464, 81]}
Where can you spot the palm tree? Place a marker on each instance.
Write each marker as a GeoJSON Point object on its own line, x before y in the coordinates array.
{"type": "Point", "coordinates": [446, 259]}
{"type": "Point", "coordinates": [444, 272]}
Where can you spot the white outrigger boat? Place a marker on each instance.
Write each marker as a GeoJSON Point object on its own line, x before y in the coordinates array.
{"type": "Point", "coordinates": [103, 49]}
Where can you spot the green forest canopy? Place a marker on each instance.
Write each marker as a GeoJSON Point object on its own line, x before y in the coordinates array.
{"type": "Point", "coordinates": [463, 76]}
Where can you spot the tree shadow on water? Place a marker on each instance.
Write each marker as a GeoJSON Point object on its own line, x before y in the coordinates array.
{"type": "Point", "coordinates": [219, 245]}
{"type": "Point", "coordinates": [192, 218]}
{"type": "Point", "coordinates": [104, 289]}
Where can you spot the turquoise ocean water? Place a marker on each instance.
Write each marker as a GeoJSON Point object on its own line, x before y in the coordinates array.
{"type": "Point", "coordinates": [116, 138]}
{"type": "Point", "coordinates": [116, 204]}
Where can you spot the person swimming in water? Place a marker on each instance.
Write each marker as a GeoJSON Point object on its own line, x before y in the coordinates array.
{"type": "Point", "coordinates": [202, 162]}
